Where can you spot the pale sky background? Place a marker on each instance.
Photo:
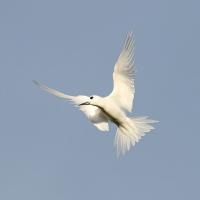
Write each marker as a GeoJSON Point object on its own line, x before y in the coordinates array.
{"type": "Point", "coordinates": [48, 149]}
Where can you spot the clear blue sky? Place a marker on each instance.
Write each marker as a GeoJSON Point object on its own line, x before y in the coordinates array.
{"type": "Point", "coordinates": [48, 149]}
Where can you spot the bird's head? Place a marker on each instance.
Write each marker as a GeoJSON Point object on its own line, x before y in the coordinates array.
{"type": "Point", "coordinates": [93, 100]}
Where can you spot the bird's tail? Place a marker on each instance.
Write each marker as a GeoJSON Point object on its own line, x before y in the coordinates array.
{"type": "Point", "coordinates": [131, 132]}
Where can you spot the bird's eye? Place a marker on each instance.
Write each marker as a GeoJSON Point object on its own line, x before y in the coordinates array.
{"type": "Point", "coordinates": [91, 97]}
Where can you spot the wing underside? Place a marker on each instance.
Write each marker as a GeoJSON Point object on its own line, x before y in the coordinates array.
{"type": "Point", "coordinates": [123, 76]}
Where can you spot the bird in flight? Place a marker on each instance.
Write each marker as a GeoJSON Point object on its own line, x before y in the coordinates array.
{"type": "Point", "coordinates": [114, 107]}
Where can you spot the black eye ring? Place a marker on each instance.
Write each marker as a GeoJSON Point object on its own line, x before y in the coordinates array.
{"type": "Point", "coordinates": [91, 97]}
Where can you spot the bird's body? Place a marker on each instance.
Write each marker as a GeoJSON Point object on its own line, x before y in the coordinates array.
{"type": "Point", "coordinates": [114, 107]}
{"type": "Point", "coordinates": [111, 109]}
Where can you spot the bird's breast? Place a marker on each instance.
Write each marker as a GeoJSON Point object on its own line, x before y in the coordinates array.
{"type": "Point", "coordinates": [115, 113]}
{"type": "Point", "coordinates": [92, 112]}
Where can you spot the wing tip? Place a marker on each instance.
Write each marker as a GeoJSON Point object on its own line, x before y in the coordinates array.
{"type": "Point", "coordinates": [36, 83]}
{"type": "Point", "coordinates": [130, 33]}
{"type": "Point", "coordinates": [41, 86]}
{"type": "Point", "coordinates": [129, 41]}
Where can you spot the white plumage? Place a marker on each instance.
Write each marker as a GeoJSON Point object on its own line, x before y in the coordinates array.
{"type": "Point", "coordinates": [123, 76]}
{"type": "Point", "coordinates": [101, 110]}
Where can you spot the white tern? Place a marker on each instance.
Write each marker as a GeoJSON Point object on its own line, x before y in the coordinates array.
{"type": "Point", "coordinates": [114, 107]}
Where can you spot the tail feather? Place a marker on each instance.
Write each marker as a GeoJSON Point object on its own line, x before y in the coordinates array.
{"type": "Point", "coordinates": [131, 132]}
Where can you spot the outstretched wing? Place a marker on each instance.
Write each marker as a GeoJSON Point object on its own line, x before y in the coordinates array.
{"type": "Point", "coordinates": [123, 76]}
{"type": "Point", "coordinates": [93, 113]}
{"type": "Point", "coordinates": [54, 92]}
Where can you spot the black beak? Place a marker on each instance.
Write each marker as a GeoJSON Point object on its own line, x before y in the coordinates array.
{"type": "Point", "coordinates": [85, 103]}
